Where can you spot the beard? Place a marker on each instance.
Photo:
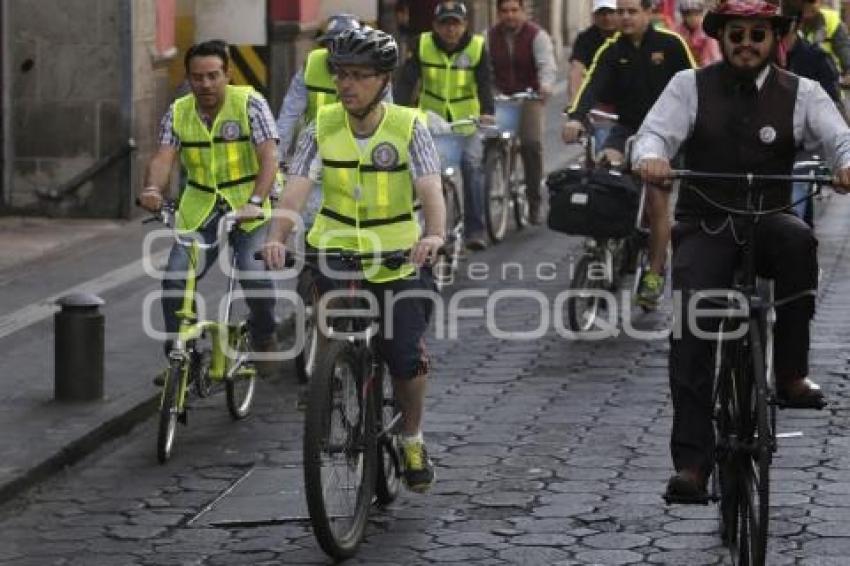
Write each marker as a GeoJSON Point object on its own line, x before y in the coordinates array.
{"type": "Point", "coordinates": [747, 73]}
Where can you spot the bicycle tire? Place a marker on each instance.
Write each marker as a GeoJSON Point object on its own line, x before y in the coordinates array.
{"type": "Point", "coordinates": [199, 370]}
{"type": "Point", "coordinates": [445, 265]}
{"type": "Point", "coordinates": [582, 312]}
{"type": "Point", "coordinates": [725, 419]}
{"type": "Point", "coordinates": [496, 192]}
{"type": "Point", "coordinates": [517, 186]}
{"type": "Point", "coordinates": [170, 408]}
{"type": "Point", "coordinates": [388, 477]}
{"type": "Point", "coordinates": [241, 385]}
{"type": "Point", "coordinates": [340, 371]}
{"type": "Point", "coordinates": [305, 360]}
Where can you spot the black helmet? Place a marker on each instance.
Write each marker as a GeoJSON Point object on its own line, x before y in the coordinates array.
{"type": "Point", "coordinates": [337, 24]}
{"type": "Point", "coordinates": [364, 46]}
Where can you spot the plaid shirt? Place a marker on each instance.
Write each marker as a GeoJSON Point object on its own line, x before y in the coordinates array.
{"type": "Point", "coordinates": [260, 116]}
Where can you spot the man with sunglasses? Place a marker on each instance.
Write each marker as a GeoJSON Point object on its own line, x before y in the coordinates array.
{"type": "Point", "coordinates": [629, 72]}
{"type": "Point", "coordinates": [375, 158]}
{"type": "Point", "coordinates": [743, 114]}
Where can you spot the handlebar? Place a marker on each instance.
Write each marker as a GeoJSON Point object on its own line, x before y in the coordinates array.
{"type": "Point", "coordinates": [750, 178]}
{"type": "Point", "coordinates": [391, 259]}
{"type": "Point", "coordinates": [523, 95]}
{"type": "Point", "coordinates": [471, 121]}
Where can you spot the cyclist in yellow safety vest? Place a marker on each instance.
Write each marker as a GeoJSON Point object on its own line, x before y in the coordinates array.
{"type": "Point", "coordinates": [823, 27]}
{"type": "Point", "coordinates": [225, 138]}
{"type": "Point", "coordinates": [452, 68]}
{"type": "Point", "coordinates": [375, 158]}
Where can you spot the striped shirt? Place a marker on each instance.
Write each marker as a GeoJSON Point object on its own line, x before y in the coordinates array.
{"type": "Point", "coordinates": [424, 159]}
{"type": "Point", "coordinates": [263, 127]}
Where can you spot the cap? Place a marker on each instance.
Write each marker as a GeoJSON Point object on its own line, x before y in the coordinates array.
{"type": "Point", "coordinates": [450, 9]}
{"type": "Point", "coordinates": [744, 9]}
{"type": "Point", "coordinates": [603, 4]}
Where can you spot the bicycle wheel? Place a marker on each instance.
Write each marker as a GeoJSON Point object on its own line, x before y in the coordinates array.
{"type": "Point", "coordinates": [339, 451]}
{"type": "Point", "coordinates": [388, 480]}
{"type": "Point", "coordinates": [583, 309]}
{"type": "Point", "coordinates": [241, 380]}
{"type": "Point", "coordinates": [199, 370]}
{"type": "Point", "coordinates": [445, 265]}
{"type": "Point", "coordinates": [170, 409]}
{"type": "Point", "coordinates": [725, 421]}
{"type": "Point", "coordinates": [518, 190]}
{"type": "Point", "coordinates": [496, 192]}
{"type": "Point", "coordinates": [305, 361]}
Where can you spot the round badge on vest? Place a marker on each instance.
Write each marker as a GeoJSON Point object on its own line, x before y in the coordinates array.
{"type": "Point", "coordinates": [767, 135]}
{"type": "Point", "coordinates": [384, 156]}
{"type": "Point", "coordinates": [463, 61]}
{"type": "Point", "coordinates": [230, 130]}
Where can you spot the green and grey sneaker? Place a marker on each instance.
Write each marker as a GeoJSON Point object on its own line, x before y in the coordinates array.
{"type": "Point", "coordinates": [650, 290]}
{"type": "Point", "coordinates": [418, 468]}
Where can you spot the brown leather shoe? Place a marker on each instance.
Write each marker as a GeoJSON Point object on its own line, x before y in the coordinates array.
{"type": "Point", "coordinates": [687, 486]}
{"type": "Point", "coordinates": [800, 393]}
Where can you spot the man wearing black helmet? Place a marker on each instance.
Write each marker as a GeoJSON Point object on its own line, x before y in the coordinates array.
{"type": "Point", "coordinates": [742, 115]}
{"type": "Point", "coordinates": [452, 69]}
{"type": "Point", "coordinates": [375, 157]}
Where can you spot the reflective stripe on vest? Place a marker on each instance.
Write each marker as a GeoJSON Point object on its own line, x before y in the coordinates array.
{"type": "Point", "coordinates": [321, 89]}
{"type": "Point", "coordinates": [367, 196]}
{"type": "Point", "coordinates": [220, 163]}
{"type": "Point", "coordinates": [448, 82]}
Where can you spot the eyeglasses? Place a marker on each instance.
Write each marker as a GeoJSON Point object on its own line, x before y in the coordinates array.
{"type": "Point", "coordinates": [756, 35]}
{"type": "Point", "coordinates": [356, 76]}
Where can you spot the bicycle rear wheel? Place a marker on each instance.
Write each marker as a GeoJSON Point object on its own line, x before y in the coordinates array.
{"type": "Point", "coordinates": [241, 382]}
{"type": "Point", "coordinates": [496, 192]}
{"type": "Point", "coordinates": [170, 408]}
{"type": "Point", "coordinates": [339, 451]}
{"type": "Point", "coordinates": [388, 480]}
{"type": "Point", "coordinates": [584, 305]}
{"type": "Point", "coordinates": [445, 265]}
{"type": "Point", "coordinates": [518, 189]}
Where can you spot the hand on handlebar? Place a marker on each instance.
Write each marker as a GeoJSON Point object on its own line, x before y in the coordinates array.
{"type": "Point", "coordinates": [426, 249]}
{"type": "Point", "coordinates": [573, 129]}
{"type": "Point", "coordinates": [151, 199]}
{"type": "Point", "coordinates": [274, 253]}
{"type": "Point", "coordinates": [655, 171]}
{"type": "Point", "coordinates": [249, 212]}
{"type": "Point", "coordinates": [841, 182]}
{"type": "Point", "coordinates": [487, 120]}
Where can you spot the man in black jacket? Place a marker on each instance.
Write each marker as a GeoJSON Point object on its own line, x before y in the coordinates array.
{"type": "Point", "coordinates": [629, 73]}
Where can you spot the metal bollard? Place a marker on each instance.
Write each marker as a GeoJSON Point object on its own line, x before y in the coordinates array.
{"type": "Point", "coordinates": [78, 338]}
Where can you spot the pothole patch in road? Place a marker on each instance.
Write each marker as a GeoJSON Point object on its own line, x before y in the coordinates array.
{"type": "Point", "coordinates": [262, 496]}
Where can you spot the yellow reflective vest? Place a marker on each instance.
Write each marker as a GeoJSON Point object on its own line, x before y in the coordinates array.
{"type": "Point", "coordinates": [220, 162]}
{"type": "Point", "coordinates": [448, 81]}
{"type": "Point", "coordinates": [832, 21]}
{"type": "Point", "coordinates": [367, 195]}
{"type": "Point", "coordinates": [321, 89]}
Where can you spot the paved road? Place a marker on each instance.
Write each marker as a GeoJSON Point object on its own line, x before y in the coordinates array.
{"type": "Point", "coordinates": [549, 451]}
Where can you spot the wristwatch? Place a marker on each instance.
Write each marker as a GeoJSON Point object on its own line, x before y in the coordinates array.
{"type": "Point", "coordinates": [256, 200]}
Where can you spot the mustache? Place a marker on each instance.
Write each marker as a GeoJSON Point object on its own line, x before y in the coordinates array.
{"type": "Point", "coordinates": [740, 50]}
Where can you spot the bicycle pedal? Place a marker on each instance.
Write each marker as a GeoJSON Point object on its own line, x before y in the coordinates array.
{"type": "Point", "coordinates": [672, 499]}
{"type": "Point", "coordinates": [794, 434]}
{"type": "Point", "coordinates": [183, 418]}
{"type": "Point", "coordinates": [816, 404]}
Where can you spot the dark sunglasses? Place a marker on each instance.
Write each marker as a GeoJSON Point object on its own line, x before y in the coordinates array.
{"type": "Point", "coordinates": [757, 35]}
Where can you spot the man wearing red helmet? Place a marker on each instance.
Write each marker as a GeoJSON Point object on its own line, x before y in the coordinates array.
{"type": "Point", "coordinates": [743, 114]}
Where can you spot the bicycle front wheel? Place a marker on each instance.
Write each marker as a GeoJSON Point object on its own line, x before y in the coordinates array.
{"type": "Point", "coordinates": [305, 361]}
{"type": "Point", "coordinates": [517, 186]}
{"type": "Point", "coordinates": [339, 451]}
{"type": "Point", "coordinates": [584, 304]}
{"type": "Point", "coordinates": [242, 379]}
{"type": "Point", "coordinates": [170, 409]}
{"type": "Point", "coordinates": [388, 480]}
{"type": "Point", "coordinates": [445, 265]}
{"type": "Point", "coordinates": [496, 193]}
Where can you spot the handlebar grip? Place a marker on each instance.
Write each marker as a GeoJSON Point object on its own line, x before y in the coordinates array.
{"type": "Point", "coordinates": [288, 261]}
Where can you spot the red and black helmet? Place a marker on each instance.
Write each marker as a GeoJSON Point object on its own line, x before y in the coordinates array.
{"type": "Point", "coordinates": [745, 9]}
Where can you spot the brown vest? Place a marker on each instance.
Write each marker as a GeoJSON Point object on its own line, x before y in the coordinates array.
{"type": "Point", "coordinates": [737, 133]}
{"type": "Point", "coordinates": [514, 71]}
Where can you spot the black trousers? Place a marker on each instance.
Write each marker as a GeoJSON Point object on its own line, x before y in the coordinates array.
{"type": "Point", "coordinates": [786, 251]}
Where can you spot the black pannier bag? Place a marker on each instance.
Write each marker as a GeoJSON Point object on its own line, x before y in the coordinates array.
{"type": "Point", "coordinates": [597, 203]}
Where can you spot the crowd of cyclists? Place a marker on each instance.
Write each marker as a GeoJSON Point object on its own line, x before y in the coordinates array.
{"type": "Point", "coordinates": [741, 85]}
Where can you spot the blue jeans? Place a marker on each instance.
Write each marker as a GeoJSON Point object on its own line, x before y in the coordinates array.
{"type": "Point", "coordinates": [262, 321]}
{"type": "Point", "coordinates": [473, 186]}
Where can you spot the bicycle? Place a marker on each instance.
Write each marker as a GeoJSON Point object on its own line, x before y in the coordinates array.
{"type": "Point", "coordinates": [351, 420]}
{"type": "Point", "coordinates": [450, 143]}
{"type": "Point", "coordinates": [605, 260]}
{"type": "Point", "coordinates": [205, 352]}
{"type": "Point", "coordinates": [504, 184]}
{"type": "Point", "coordinates": [744, 396]}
